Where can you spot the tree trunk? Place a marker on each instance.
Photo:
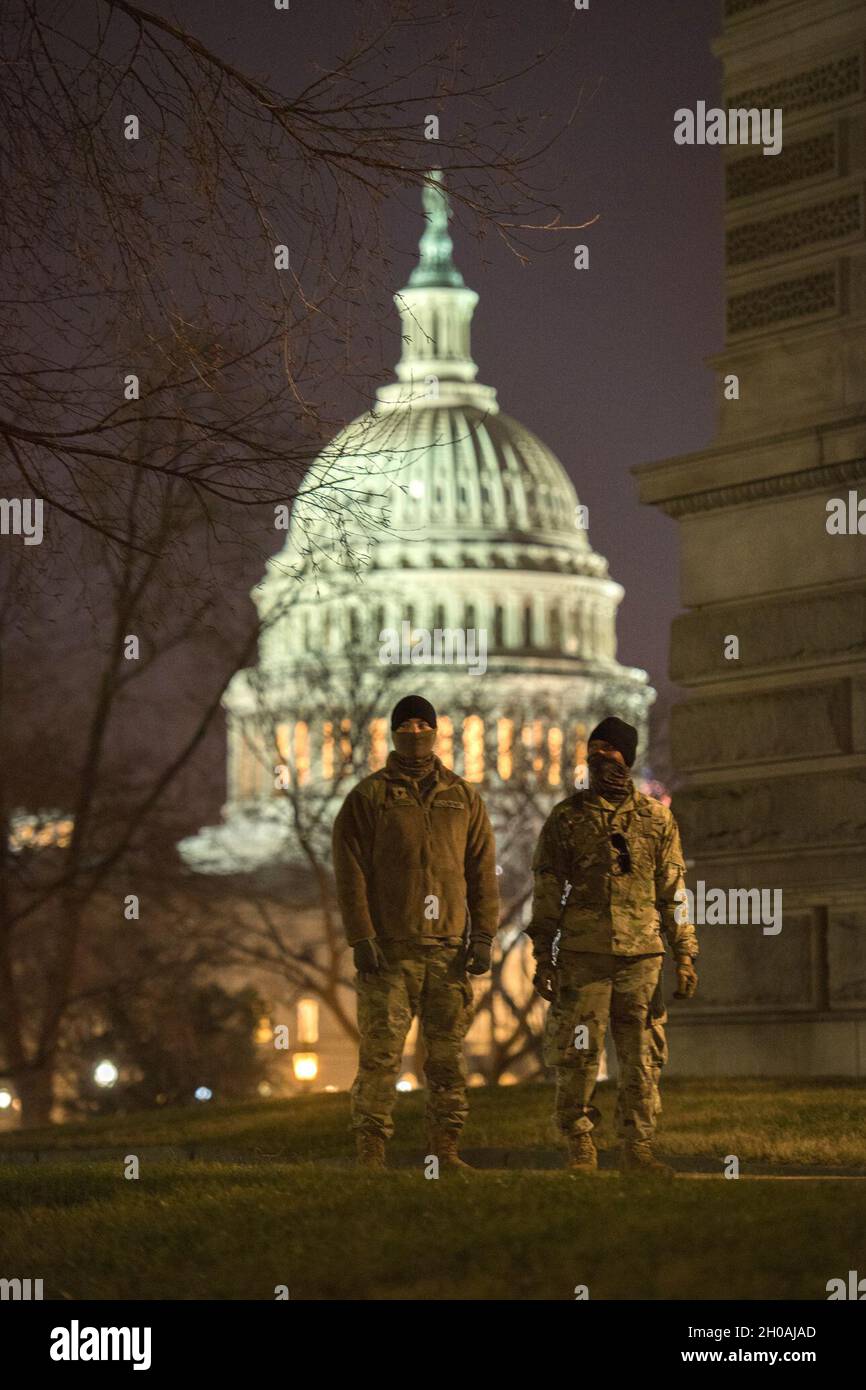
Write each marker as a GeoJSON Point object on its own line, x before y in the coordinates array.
{"type": "Point", "coordinates": [35, 1088]}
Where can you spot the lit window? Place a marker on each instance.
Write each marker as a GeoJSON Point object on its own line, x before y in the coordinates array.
{"type": "Point", "coordinates": [445, 741]}
{"type": "Point", "coordinates": [581, 767]}
{"type": "Point", "coordinates": [302, 752]}
{"type": "Point", "coordinates": [327, 750]}
{"type": "Point", "coordinates": [504, 742]}
{"type": "Point", "coordinates": [473, 748]}
{"type": "Point", "coordinates": [345, 740]}
{"type": "Point", "coordinates": [554, 754]}
{"type": "Point", "coordinates": [308, 1021]}
{"type": "Point", "coordinates": [532, 736]}
{"type": "Point", "coordinates": [378, 743]}
{"type": "Point", "coordinates": [283, 740]}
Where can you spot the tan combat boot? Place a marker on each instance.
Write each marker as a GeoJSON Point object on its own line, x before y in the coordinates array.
{"type": "Point", "coordinates": [444, 1146]}
{"type": "Point", "coordinates": [371, 1151]}
{"type": "Point", "coordinates": [639, 1158]}
{"type": "Point", "coordinates": [583, 1155]}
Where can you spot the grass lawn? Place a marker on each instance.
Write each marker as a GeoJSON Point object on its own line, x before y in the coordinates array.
{"type": "Point", "coordinates": [300, 1217]}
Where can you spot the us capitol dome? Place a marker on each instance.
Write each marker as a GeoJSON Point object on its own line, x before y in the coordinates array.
{"type": "Point", "coordinates": [433, 513]}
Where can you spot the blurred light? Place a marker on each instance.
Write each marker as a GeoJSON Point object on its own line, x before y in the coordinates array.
{"type": "Point", "coordinates": [308, 1020]}
{"type": "Point", "coordinates": [39, 831]}
{"type": "Point", "coordinates": [508, 1079]}
{"type": "Point", "coordinates": [203, 1093]}
{"type": "Point", "coordinates": [5, 1100]}
{"type": "Point", "coordinates": [105, 1073]}
{"type": "Point", "coordinates": [305, 1066]}
{"type": "Point", "coordinates": [330, 1088]}
{"type": "Point", "coordinates": [650, 786]}
{"type": "Point", "coordinates": [265, 1089]}
{"type": "Point", "coordinates": [264, 1033]}
{"type": "Point", "coordinates": [407, 1082]}
{"type": "Point", "coordinates": [416, 488]}
{"type": "Point", "coordinates": [477, 1078]}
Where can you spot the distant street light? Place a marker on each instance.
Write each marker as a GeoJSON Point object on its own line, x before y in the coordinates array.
{"type": "Point", "coordinates": [305, 1066]}
{"type": "Point", "coordinates": [105, 1073]}
{"type": "Point", "coordinates": [203, 1093]}
{"type": "Point", "coordinates": [5, 1100]}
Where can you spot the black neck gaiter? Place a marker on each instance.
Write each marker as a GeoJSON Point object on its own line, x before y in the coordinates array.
{"type": "Point", "coordinates": [413, 753]}
{"type": "Point", "coordinates": [608, 778]}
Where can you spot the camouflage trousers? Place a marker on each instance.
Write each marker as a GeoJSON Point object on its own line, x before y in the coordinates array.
{"type": "Point", "coordinates": [595, 990]}
{"type": "Point", "coordinates": [432, 983]}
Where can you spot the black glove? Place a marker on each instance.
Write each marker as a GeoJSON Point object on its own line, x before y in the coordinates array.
{"type": "Point", "coordinates": [544, 982]}
{"type": "Point", "coordinates": [478, 960]}
{"type": "Point", "coordinates": [369, 956]}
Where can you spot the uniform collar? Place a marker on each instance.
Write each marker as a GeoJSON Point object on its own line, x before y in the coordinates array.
{"type": "Point", "coordinates": [394, 773]}
{"type": "Point", "coordinates": [612, 809]}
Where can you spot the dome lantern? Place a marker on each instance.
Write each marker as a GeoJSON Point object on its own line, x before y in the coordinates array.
{"type": "Point", "coordinates": [436, 310]}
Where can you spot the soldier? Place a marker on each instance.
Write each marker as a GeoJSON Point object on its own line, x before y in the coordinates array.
{"type": "Point", "coordinates": [413, 850]}
{"type": "Point", "coordinates": [608, 872]}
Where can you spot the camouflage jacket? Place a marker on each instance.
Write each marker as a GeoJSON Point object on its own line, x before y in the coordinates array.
{"type": "Point", "coordinates": [595, 897]}
{"type": "Point", "coordinates": [411, 862]}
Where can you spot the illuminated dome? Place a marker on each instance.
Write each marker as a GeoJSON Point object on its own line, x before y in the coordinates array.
{"type": "Point", "coordinates": [434, 477]}
{"type": "Point", "coordinates": [434, 511]}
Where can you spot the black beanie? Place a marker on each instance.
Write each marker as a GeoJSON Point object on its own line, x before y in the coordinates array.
{"type": "Point", "coordinates": [413, 707]}
{"type": "Point", "coordinates": [618, 733]}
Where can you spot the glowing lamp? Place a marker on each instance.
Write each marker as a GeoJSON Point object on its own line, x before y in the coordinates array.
{"type": "Point", "coordinates": [105, 1073]}
{"type": "Point", "coordinates": [305, 1066]}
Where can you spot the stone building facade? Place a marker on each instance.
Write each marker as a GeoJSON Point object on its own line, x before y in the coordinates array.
{"type": "Point", "coordinates": [770, 740]}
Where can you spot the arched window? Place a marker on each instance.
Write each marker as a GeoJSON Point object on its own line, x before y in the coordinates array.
{"type": "Point", "coordinates": [527, 625]}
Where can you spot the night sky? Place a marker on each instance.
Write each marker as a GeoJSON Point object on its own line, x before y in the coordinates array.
{"type": "Point", "coordinates": [606, 365]}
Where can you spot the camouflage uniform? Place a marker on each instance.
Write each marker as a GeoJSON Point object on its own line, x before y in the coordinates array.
{"type": "Point", "coordinates": [415, 867]}
{"type": "Point", "coordinates": [658, 1045]}
{"type": "Point", "coordinates": [611, 912]}
{"type": "Point", "coordinates": [431, 982]}
{"type": "Point", "coordinates": [657, 1042]}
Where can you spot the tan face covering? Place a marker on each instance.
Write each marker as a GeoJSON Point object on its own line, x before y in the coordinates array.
{"type": "Point", "coordinates": [415, 751]}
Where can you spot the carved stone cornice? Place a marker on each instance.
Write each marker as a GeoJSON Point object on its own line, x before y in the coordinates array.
{"type": "Point", "coordinates": [826, 476]}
